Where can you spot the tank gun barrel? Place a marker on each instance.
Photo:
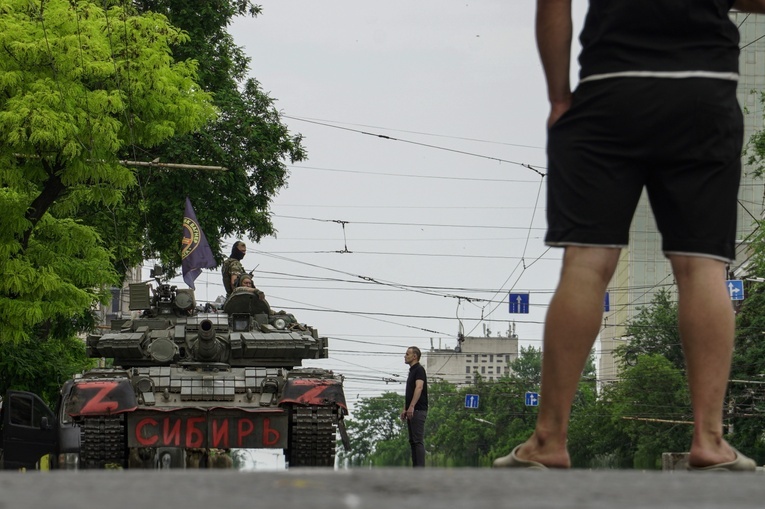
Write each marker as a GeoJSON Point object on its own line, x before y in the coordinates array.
{"type": "Point", "coordinates": [207, 346]}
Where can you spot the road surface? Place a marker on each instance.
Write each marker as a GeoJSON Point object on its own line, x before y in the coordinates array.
{"type": "Point", "coordinates": [400, 488]}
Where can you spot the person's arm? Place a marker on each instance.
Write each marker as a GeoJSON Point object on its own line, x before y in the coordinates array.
{"type": "Point", "coordinates": [554, 29]}
{"type": "Point", "coordinates": [418, 385]}
{"type": "Point", "coordinates": [753, 6]}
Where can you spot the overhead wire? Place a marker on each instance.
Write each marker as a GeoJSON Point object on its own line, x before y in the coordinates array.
{"type": "Point", "coordinates": [463, 138]}
{"type": "Point", "coordinates": [413, 176]}
{"type": "Point", "coordinates": [522, 258]}
{"type": "Point", "coordinates": [427, 145]}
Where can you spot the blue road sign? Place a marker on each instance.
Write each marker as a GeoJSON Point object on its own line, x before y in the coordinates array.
{"type": "Point", "coordinates": [532, 399]}
{"type": "Point", "coordinates": [519, 302]}
{"type": "Point", "coordinates": [471, 401]}
{"type": "Point", "coordinates": [606, 304]}
{"type": "Point", "coordinates": [735, 289]}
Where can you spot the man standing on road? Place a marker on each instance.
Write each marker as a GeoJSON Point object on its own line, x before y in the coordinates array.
{"type": "Point", "coordinates": [655, 108]}
{"type": "Point", "coordinates": [416, 405]}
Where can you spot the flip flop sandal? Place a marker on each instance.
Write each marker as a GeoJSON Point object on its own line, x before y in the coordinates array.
{"type": "Point", "coordinates": [740, 464]}
{"type": "Point", "coordinates": [513, 461]}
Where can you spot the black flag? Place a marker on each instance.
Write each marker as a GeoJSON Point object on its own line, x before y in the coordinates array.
{"type": "Point", "coordinates": [195, 251]}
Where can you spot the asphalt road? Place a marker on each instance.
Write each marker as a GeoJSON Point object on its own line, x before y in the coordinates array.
{"type": "Point", "coordinates": [380, 488]}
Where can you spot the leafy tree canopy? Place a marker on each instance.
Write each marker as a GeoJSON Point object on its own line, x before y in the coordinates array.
{"type": "Point", "coordinates": [746, 398]}
{"type": "Point", "coordinates": [654, 331]}
{"type": "Point", "coordinates": [248, 138]}
{"type": "Point", "coordinates": [375, 422]}
{"type": "Point", "coordinates": [79, 83]}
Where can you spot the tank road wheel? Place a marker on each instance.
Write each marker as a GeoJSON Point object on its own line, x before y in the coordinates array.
{"type": "Point", "coordinates": [312, 437]}
{"type": "Point", "coordinates": [104, 442]}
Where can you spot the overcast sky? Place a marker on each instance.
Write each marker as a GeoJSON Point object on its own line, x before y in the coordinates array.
{"type": "Point", "coordinates": [421, 204]}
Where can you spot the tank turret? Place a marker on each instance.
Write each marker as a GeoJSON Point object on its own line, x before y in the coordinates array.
{"type": "Point", "coordinates": [169, 330]}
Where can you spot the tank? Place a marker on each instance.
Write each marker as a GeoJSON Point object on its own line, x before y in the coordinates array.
{"type": "Point", "coordinates": [187, 386]}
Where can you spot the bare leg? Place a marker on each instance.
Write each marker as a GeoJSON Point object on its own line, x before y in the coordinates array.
{"type": "Point", "coordinates": [571, 326]}
{"type": "Point", "coordinates": [706, 329]}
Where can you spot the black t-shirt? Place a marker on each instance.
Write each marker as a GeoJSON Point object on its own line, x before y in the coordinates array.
{"type": "Point", "coordinates": [417, 372]}
{"type": "Point", "coordinates": [659, 36]}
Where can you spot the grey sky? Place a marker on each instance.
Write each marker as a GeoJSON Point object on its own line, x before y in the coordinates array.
{"type": "Point", "coordinates": [463, 76]}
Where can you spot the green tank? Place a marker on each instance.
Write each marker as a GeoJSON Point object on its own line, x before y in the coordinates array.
{"type": "Point", "coordinates": [189, 386]}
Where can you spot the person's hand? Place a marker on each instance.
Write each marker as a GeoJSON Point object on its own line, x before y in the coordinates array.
{"type": "Point", "coordinates": [557, 109]}
{"type": "Point", "coordinates": [403, 415]}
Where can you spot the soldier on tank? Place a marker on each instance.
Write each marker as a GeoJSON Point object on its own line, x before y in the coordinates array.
{"type": "Point", "coordinates": [243, 283]}
{"type": "Point", "coordinates": [232, 267]}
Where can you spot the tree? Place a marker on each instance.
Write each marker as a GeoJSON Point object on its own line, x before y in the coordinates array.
{"type": "Point", "coordinates": [527, 367]}
{"type": "Point", "coordinates": [456, 436]}
{"type": "Point", "coordinates": [42, 365]}
{"type": "Point", "coordinates": [653, 400]}
{"type": "Point", "coordinates": [378, 436]}
{"type": "Point", "coordinates": [597, 436]}
{"type": "Point", "coordinates": [746, 398]}
{"type": "Point", "coordinates": [80, 82]}
{"type": "Point", "coordinates": [248, 138]}
{"type": "Point", "coordinates": [655, 331]}
{"type": "Point", "coordinates": [514, 421]}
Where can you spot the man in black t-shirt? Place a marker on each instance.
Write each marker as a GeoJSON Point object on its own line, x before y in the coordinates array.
{"type": "Point", "coordinates": [416, 405]}
{"type": "Point", "coordinates": [656, 110]}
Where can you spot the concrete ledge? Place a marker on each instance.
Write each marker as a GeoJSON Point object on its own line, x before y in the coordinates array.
{"type": "Point", "coordinates": [671, 461]}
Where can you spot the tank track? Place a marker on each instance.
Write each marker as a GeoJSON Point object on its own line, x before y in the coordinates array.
{"type": "Point", "coordinates": [103, 442]}
{"type": "Point", "coordinates": [312, 436]}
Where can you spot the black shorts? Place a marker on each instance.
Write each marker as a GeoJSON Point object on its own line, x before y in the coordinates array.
{"type": "Point", "coordinates": [681, 139]}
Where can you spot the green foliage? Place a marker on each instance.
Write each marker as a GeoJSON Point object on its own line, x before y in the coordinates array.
{"type": "Point", "coordinates": [248, 137]}
{"type": "Point", "coordinates": [80, 81]}
{"type": "Point", "coordinates": [528, 366]}
{"type": "Point", "coordinates": [43, 365]}
{"type": "Point", "coordinates": [79, 84]}
{"type": "Point", "coordinates": [746, 403]}
{"type": "Point", "coordinates": [755, 148]}
{"type": "Point", "coordinates": [61, 274]}
{"type": "Point", "coordinates": [655, 331]}
{"type": "Point", "coordinates": [652, 398]}
{"type": "Point", "coordinates": [454, 435]}
{"type": "Point", "coordinates": [377, 433]}
{"type": "Point", "coordinates": [597, 437]}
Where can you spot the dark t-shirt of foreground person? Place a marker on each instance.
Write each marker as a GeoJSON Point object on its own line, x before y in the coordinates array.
{"type": "Point", "coordinates": [416, 405]}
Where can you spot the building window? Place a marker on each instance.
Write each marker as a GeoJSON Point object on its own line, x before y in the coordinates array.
{"type": "Point", "coordinates": [483, 370]}
{"type": "Point", "coordinates": [116, 301]}
{"type": "Point", "coordinates": [491, 357]}
{"type": "Point", "coordinates": [467, 369]}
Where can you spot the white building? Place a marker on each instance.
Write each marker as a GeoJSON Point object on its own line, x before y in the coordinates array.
{"type": "Point", "coordinates": [489, 357]}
